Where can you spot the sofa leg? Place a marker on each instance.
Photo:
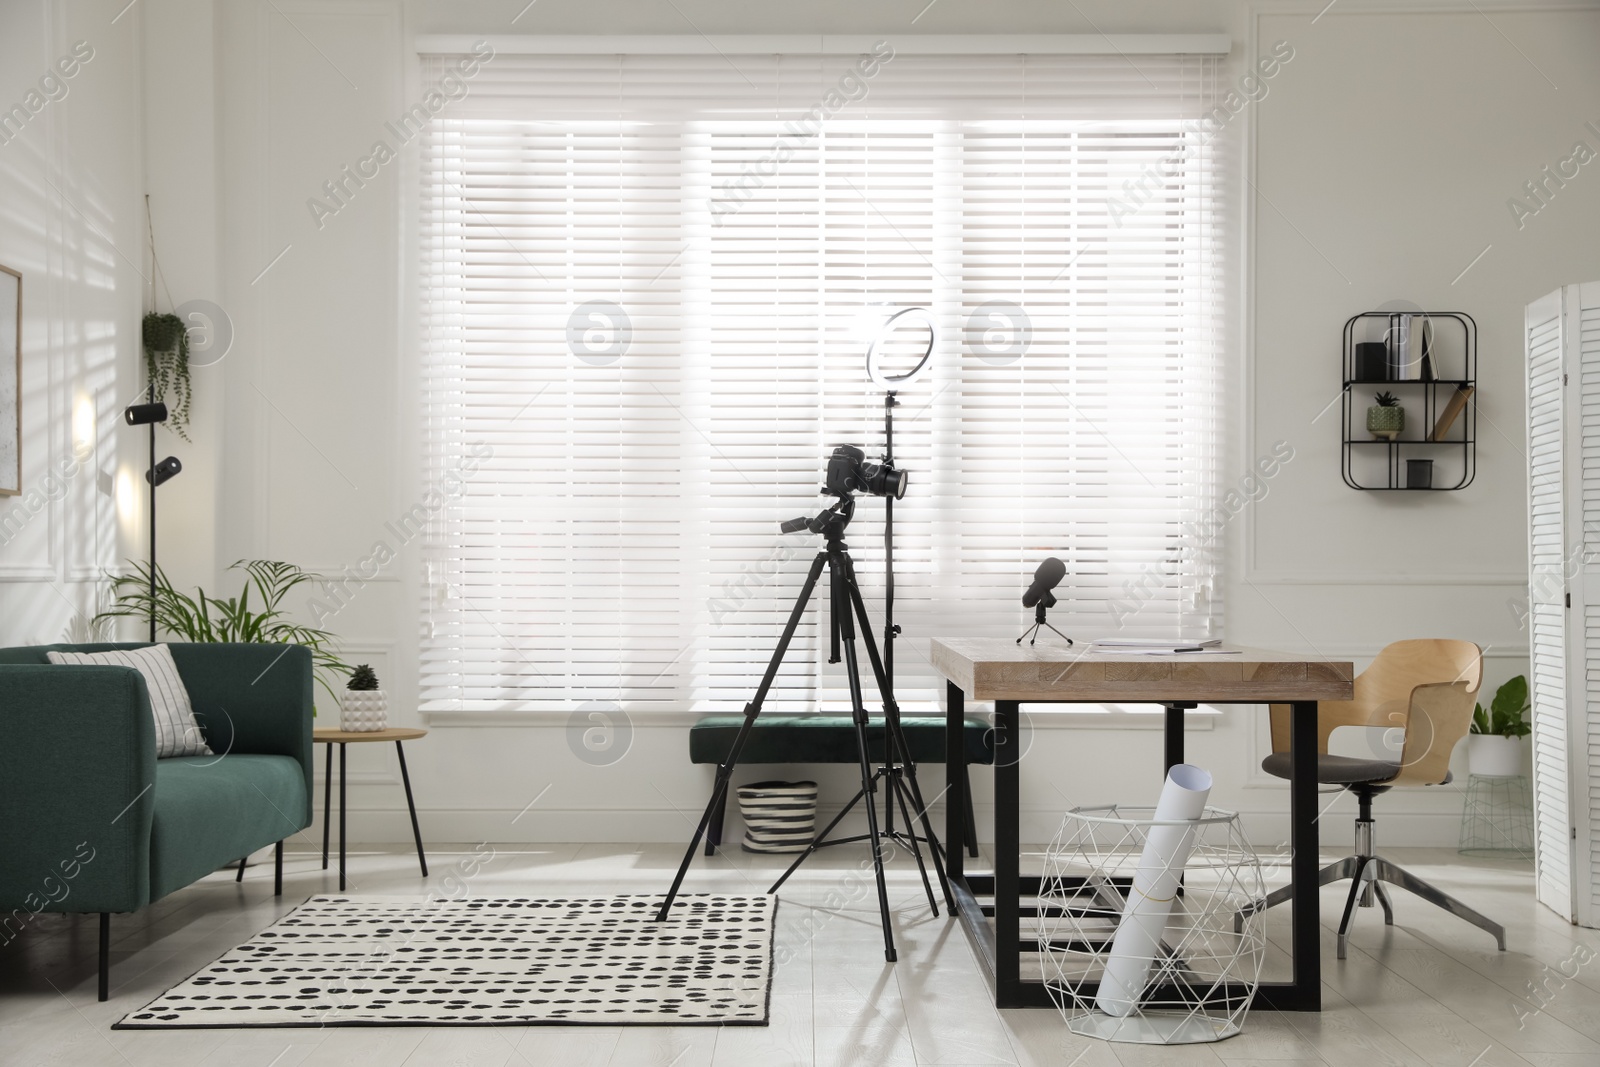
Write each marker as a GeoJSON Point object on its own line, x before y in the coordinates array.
{"type": "Point", "coordinates": [105, 955]}
{"type": "Point", "coordinates": [240, 876]}
{"type": "Point", "coordinates": [277, 869]}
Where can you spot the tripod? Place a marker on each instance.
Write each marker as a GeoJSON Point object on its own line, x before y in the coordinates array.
{"type": "Point", "coordinates": [898, 774]}
{"type": "Point", "coordinates": [1048, 600]}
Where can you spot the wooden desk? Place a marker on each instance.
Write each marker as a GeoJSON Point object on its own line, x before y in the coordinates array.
{"type": "Point", "coordinates": [999, 670]}
{"type": "Point", "coordinates": [331, 736]}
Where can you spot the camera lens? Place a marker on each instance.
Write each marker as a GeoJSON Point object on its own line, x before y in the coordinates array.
{"type": "Point", "coordinates": [880, 479]}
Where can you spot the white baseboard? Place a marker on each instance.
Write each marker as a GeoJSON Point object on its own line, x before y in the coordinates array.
{"type": "Point", "coordinates": [1267, 830]}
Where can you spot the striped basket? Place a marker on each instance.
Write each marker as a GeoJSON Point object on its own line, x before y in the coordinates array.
{"type": "Point", "coordinates": [778, 816]}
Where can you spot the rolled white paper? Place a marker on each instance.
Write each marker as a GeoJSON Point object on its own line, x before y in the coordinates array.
{"type": "Point", "coordinates": [1155, 884]}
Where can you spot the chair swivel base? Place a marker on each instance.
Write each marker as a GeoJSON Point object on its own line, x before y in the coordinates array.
{"type": "Point", "coordinates": [1367, 875]}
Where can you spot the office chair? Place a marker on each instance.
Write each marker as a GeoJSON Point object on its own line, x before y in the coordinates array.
{"type": "Point", "coordinates": [1427, 688]}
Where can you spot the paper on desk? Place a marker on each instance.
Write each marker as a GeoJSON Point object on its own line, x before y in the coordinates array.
{"type": "Point", "coordinates": [1165, 650]}
{"type": "Point", "coordinates": [1157, 642]}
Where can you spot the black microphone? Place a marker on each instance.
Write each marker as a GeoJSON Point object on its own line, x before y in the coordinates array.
{"type": "Point", "coordinates": [1046, 578]}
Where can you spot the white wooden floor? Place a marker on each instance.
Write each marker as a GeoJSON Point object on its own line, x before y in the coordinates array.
{"type": "Point", "coordinates": [1430, 991]}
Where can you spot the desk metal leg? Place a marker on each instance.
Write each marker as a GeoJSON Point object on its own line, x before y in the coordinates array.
{"type": "Point", "coordinates": [1307, 937]}
{"type": "Point", "coordinates": [327, 806]}
{"type": "Point", "coordinates": [956, 799]}
{"type": "Point", "coordinates": [1007, 854]}
{"type": "Point", "coordinates": [416, 831]}
{"type": "Point", "coordinates": [1174, 735]}
{"type": "Point", "coordinates": [342, 747]}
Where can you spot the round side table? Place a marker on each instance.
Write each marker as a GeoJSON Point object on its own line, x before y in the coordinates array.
{"type": "Point", "coordinates": [330, 737]}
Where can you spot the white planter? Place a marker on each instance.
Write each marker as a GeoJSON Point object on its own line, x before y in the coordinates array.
{"type": "Point", "coordinates": [363, 710]}
{"type": "Point", "coordinates": [1495, 756]}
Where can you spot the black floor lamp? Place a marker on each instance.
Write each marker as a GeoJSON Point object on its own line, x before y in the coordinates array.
{"type": "Point", "coordinates": [148, 414]}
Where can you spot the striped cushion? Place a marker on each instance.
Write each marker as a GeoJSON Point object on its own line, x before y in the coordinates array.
{"type": "Point", "coordinates": [177, 732]}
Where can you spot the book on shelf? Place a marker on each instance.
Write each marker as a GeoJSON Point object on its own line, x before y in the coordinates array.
{"type": "Point", "coordinates": [1450, 412]}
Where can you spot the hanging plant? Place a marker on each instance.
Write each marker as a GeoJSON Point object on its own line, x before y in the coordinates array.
{"type": "Point", "coordinates": [166, 365]}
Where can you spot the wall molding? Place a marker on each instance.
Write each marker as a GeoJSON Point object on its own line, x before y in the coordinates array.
{"type": "Point", "coordinates": [1252, 576]}
{"type": "Point", "coordinates": [27, 572]}
{"type": "Point", "coordinates": [1250, 573]}
{"type": "Point", "coordinates": [927, 44]}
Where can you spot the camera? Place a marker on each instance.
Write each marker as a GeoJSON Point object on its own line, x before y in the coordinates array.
{"type": "Point", "coordinates": [849, 472]}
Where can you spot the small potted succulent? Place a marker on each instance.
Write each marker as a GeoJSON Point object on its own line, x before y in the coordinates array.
{"type": "Point", "coordinates": [363, 707]}
{"type": "Point", "coordinates": [1386, 418]}
{"type": "Point", "coordinates": [1495, 747]}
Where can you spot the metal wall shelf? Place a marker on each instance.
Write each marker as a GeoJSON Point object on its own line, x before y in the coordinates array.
{"type": "Point", "coordinates": [1454, 350]}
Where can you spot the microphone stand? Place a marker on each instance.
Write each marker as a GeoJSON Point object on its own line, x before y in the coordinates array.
{"type": "Point", "coordinates": [1048, 600]}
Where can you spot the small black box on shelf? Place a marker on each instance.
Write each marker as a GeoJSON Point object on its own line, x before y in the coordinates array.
{"type": "Point", "coordinates": [1419, 474]}
{"type": "Point", "coordinates": [1372, 361]}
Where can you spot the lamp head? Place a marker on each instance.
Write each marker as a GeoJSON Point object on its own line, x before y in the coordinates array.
{"type": "Point", "coordinates": [145, 414]}
{"type": "Point", "coordinates": [910, 316]}
{"type": "Point", "coordinates": [164, 471]}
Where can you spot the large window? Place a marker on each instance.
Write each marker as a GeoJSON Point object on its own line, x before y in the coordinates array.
{"type": "Point", "coordinates": [648, 287]}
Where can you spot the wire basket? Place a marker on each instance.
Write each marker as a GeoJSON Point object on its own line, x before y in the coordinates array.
{"type": "Point", "coordinates": [1202, 975]}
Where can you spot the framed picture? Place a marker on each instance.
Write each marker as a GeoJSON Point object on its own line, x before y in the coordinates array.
{"type": "Point", "coordinates": [10, 382]}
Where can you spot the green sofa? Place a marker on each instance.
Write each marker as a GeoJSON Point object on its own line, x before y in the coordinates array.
{"type": "Point", "coordinates": [94, 823]}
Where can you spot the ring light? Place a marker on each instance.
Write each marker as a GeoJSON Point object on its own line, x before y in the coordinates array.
{"type": "Point", "coordinates": [894, 381]}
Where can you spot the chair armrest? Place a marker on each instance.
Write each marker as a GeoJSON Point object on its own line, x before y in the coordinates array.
{"type": "Point", "coordinates": [252, 699]}
{"type": "Point", "coordinates": [77, 771]}
{"type": "Point", "coordinates": [1331, 714]}
{"type": "Point", "coordinates": [1440, 714]}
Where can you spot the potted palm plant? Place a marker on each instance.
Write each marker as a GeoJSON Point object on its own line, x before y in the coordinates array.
{"type": "Point", "coordinates": [1495, 747]}
{"type": "Point", "coordinates": [210, 618]}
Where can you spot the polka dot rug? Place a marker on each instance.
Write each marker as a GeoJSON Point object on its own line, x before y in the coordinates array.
{"type": "Point", "coordinates": [591, 961]}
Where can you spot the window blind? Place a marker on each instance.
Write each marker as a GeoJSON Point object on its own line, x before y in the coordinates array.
{"type": "Point", "coordinates": [648, 284]}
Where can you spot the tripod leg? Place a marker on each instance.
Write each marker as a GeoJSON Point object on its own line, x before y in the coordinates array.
{"type": "Point", "coordinates": [898, 791]}
{"type": "Point", "coordinates": [719, 792]}
{"type": "Point", "coordinates": [818, 841]}
{"type": "Point", "coordinates": [896, 748]}
{"type": "Point", "coordinates": [1059, 634]}
{"type": "Point", "coordinates": [841, 612]}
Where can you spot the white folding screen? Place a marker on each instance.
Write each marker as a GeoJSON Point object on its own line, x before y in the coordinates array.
{"type": "Point", "coordinates": [1547, 611]}
{"type": "Point", "coordinates": [648, 285]}
{"type": "Point", "coordinates": [1563, 351]}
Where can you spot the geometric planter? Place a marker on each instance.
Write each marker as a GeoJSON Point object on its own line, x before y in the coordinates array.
{"type": "Point", "coordinates": [1386, 421]}
{"type": "Point", "coordinates": [363, 710]}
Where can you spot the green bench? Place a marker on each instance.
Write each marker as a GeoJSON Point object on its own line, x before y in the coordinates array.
{"type": "Point", "coordinates": [832, 739]}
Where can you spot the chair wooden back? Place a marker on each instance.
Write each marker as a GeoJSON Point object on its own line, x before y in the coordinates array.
{"type": "Point", "coordinates": [1426, 687]}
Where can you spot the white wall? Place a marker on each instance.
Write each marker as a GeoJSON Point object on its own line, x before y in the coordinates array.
{"type": "Point", "coordinates": [1378, 167]}
{"type": "Point", "coordinates": [71, 221]}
